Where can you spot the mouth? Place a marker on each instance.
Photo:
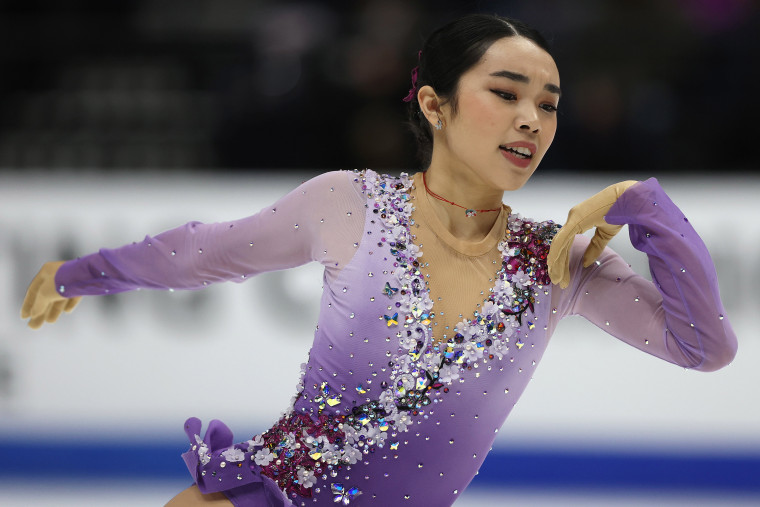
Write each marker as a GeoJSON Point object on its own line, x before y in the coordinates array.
{"type": "Point", "coordinates": [521, 152]}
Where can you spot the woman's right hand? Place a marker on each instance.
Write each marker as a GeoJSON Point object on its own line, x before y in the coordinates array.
{"type": "Point", "coordinates": [42, 302]}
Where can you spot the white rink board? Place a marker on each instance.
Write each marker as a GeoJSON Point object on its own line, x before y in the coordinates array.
{"type": "Point", "coordinates": [140, 363]}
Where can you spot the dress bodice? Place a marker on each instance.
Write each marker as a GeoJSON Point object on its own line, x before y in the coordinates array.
{"type": "Point", "coordinates": [395, 400]}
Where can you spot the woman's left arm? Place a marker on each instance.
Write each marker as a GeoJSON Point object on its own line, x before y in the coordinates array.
{"type": "Point", "coordinates": [678, 316]}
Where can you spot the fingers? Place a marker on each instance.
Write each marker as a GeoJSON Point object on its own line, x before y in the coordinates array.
{"type": "Point", "coordinates": [558, 268]}
{"type": "Point", "coordinates": [51, 312]}
{"type": "Point", "coordinates": [560, 274]}
{"type": "Point", "coordinates": [30, 298]}
{"type": "Point", "coordinates": [582, 217]}
{"type": "Point", "coordinates": [42, 303]}
{"type": "Point", "coordinates": [562, 277]}
{"type": "Point", "coordinates": [71, 304]}
{"type": "Point", "coordinates": [54, 311]}
{"type": "Point", "coordinates": [36, 321]}
{"type": "Point", "coordinates": [602, 236]}
{"type": "Point", "coordinates": [47, 313]}
{"type": "Point", "coordinates": [558, 260]}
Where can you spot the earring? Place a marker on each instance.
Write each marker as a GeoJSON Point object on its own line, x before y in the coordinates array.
{"type": "Point", "coordinates": [439, 124]}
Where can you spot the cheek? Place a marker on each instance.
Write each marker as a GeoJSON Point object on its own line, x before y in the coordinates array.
{"type": "Point", "coordinates": [488, 117]}
{"type": "Point", "coordinates": [480, 114]}
{"type": "Point", "coordinates": [550, 131]}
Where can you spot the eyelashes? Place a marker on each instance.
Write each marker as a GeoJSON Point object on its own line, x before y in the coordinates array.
{"type": "Point", "coordinates": [505, 95]}
{"type": "Point", "coordinates": [511, 97]}
{"type": "Point", "coordinates": [549, 108]}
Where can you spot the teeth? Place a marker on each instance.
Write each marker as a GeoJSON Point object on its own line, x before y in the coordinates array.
{"type": "Point", "coordinates": [523, 152]}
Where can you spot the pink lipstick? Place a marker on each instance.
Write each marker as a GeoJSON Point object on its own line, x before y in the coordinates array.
{"type": "Point", "coordinates": [519, 153]}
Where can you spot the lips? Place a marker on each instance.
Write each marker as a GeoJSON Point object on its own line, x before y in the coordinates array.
{"type": "Point", "coordinates": [519, 153]}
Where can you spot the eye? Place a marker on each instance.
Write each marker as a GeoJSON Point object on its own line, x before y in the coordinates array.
{"type": "Point", "coordinates": [505, 95]}
{"type": "Point", "coordinates": [549, 108]}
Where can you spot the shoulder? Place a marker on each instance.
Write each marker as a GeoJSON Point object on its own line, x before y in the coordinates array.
{"type": "Point", "coordinates": [365, 182]}
{"type": "Point", "coordinates": [339, 179]}
{"type": "Point", "coordinates": [374, 184]}
{"type": "Point", "coordinates": [338, 183]}
{"type": "Point", "coordinates": [520, 226]}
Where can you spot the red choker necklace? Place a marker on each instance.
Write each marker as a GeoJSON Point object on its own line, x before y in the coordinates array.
{"type": "Point", "coordinates": [469, 212]}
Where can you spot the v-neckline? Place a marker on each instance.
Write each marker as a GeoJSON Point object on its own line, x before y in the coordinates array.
{"type": "Point", "coordinates": [497, 234]}
{"type": "Point", "coordinates": [523, 270]}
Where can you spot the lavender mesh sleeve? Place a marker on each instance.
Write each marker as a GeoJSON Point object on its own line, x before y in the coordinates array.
{"type": "Point", "coordinates": [318, 221]}
{"type": "Point", "coordinates": [679, 316]}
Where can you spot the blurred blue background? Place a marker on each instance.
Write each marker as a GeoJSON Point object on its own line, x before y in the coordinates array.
{"type": "Point", "coordinates": [119, 119]}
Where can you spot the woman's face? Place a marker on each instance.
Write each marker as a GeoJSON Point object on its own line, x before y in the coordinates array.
{"type": "Point", "coordinates": [506, 114]}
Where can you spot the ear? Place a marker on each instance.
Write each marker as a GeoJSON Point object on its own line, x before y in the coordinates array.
{"type": "Point", "coordinates": [430, 104]}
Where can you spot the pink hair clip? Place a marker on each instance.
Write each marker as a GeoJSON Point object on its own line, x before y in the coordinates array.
{"type": "Point", "coordinates": [413, 89]}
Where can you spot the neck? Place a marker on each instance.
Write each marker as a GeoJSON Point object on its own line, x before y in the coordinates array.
{"type": "Point", "coordinates": [445, 188]}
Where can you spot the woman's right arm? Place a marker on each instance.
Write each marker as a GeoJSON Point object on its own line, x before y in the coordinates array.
{"type": "Point", "coordinates": [318, 221]}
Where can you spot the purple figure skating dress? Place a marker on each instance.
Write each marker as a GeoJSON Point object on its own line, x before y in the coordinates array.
{"type": "Point", "coordinates": [407, 381]}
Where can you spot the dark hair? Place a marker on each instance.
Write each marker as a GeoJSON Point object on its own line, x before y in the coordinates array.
{"type": "Point", "coordinates": [451, 51]}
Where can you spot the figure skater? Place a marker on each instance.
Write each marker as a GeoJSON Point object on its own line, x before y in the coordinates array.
{"type": "Point", "coordinates": [438, 300]}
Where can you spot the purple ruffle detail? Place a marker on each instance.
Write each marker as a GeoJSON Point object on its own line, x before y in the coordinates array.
{"type": "Point", "coordinates": [218, 465]}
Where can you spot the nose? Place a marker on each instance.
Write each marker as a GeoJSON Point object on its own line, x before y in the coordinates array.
{"type": "Point", "coordinates": [527, 119]}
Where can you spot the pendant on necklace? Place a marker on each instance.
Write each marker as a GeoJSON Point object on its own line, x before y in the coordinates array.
{"type": "Point", "coordinates": [470, 212]}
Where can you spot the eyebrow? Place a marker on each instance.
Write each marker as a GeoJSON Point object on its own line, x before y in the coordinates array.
{"type": "Point", "coordinates": [522, 78]}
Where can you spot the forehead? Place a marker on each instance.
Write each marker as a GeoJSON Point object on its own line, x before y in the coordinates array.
{"type": "Point", "coordinates": [521, 55]}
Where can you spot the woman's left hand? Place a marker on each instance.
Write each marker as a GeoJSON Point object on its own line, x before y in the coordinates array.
{"type": "Point", "coordinates": [582, 217]}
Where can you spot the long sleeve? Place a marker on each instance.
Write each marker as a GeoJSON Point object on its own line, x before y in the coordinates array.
{"type": "Point", "coordinates": [321, 220]}
{"type": "Point", "coordinates": [678, 316]}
